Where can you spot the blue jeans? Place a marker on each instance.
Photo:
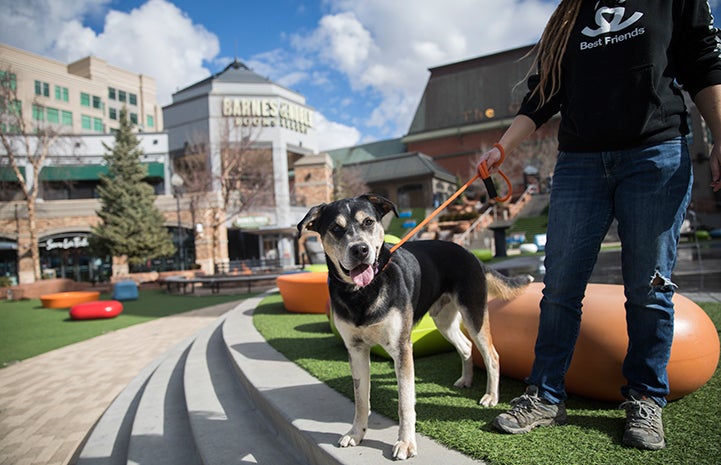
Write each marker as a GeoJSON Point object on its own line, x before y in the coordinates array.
{"type": "Point", "coordinates": [647, 190]}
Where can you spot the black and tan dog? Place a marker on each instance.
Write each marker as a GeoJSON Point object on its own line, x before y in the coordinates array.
{"type": "Point", "coordinates": [377, 297]}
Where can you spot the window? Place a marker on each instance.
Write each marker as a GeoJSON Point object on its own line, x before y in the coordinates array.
{"type": "Point", "coordinates": [42, 89]}
{"type": "Point", "coordinates": [134, 118]}
{"type": "Point", "coordinates": [86, 122]}
{"type": "Point", "coordinates": [113, 113]}
{"type": "Point", "coordinates": [84, 99]}
{"type": "Point", "coordinates": [132, 99]}
{"type": "Point", "coordinates": [53, 115]}
{"type": "Point", "coordinates": [150, 121]}
{"type": "Point", "coordinates": [97, 103]}
{"type": "Point", "coordinates": [16, 108]}
{"type": "Point", "coordinates": [61, 93]}
{"type": "Point", "coordinates": [122, 95]}
{"type": "Point", "coordinates": [111, 93]}
{"type": "Point", "coordinates": [67, 118]}
{"type": "Point", "coordinates": [98, 125]}
{"type": "Point", "coordinates": [38, 113]}
{"type": "Point", "coordinates": [8, 80]}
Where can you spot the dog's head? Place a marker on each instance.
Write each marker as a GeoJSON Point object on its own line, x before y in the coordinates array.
{"type": "Point", "coordinates": [352, 234]}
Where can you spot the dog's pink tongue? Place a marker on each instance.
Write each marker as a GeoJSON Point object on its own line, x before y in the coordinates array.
{"type": "Point", "coordinates": [362, 275]}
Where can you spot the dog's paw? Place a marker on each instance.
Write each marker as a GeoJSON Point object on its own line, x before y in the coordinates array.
{"type": "Point", "coordinates": [351, 439]}
{"type": "Point", "coordinates": [404, 450]}
{"type": "Point", "coordinates": [488, 400]}
{"type": "Point", "coordinates": [463, 383]}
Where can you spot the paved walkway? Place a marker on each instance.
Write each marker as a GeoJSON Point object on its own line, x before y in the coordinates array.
{"type": "Point", "coordinates": [49, 403]}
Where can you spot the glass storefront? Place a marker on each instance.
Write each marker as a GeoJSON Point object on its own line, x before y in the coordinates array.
{"type": "Point", "coordinates": [68, 256]}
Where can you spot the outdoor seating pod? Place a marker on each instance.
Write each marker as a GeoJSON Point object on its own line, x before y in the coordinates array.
{"type": "Point", "coordinates": [304, 292]}
{"type": "Point", "coordinates": [125, 290]}
{"type": "Point", "coordinates": [96, 310]}
{"type": "Point", "coordinates": [595, 370]}
{"type": "Point", "coordinates": [426, 338]}
{"type": "Point", "coordinates": [68, 299]}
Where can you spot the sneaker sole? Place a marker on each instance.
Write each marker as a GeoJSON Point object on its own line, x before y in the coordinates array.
{"type": "Point", "coordinates": [644, 445]}
{"type": "Point", "coordinates": [526, 429]}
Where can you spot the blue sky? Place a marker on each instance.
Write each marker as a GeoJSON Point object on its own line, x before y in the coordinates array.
{"type": "Point", "coordinates": [362, 64]}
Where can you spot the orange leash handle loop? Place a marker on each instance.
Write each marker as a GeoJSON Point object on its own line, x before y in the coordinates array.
{"type": "Point", "coordinates": [485, 175]}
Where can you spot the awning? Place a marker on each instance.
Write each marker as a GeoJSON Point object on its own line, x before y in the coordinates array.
{"type": "Point", "coordinates": [8, 245]}
{"type": "Point", "coordinates": [90, 172]}
{"type": "Point", "coordinates": [7, 174]}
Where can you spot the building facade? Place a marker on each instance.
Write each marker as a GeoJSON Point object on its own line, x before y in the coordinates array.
{"type": "Point", "coordinates": [466, 107]}
{"type": "Point", "coordinates": [79, 104]}
{"type": "Point", "coordinates": [221, 122]}
{"type": "Point", "coordinates": [83, 97]}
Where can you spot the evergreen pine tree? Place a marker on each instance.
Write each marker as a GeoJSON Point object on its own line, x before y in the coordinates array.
{"type": "Point", "coordinates": [130, 225]}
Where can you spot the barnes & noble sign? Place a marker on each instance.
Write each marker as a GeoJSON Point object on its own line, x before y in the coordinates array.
{"type": "Point", "coordinates": [267, 113]}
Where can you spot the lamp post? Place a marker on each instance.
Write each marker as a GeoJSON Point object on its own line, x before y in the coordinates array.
{"type": "Point", "coordinates": [177, 182]}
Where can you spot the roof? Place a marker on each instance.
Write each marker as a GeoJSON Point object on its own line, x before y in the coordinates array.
{"type": "Point", "coordinates": [235, 72]}
{"type": "Point", "coordinates": [473, 92]}
{"type": "Point", "coordinates": [366, 152]}
{"type": "Point", "coordinates": [402, 166]}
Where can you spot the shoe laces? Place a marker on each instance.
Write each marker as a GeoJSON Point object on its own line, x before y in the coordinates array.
{"type": "Point", "coordinates": [641, 414]}
{"type": "Point", "coordinates": [522, 406]}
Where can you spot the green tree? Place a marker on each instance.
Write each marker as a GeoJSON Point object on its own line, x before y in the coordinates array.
{"type": "Point", "coordinates": [130, 224]}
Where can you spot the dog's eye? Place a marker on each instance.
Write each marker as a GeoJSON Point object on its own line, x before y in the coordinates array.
{"type": "Point", "coordinates": [337, 229]}
{"type": "Point", "coordinates": [368, 222]}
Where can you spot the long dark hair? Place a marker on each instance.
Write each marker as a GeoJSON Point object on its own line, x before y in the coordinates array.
{"type": "Point", "coordinates": [551, 48]}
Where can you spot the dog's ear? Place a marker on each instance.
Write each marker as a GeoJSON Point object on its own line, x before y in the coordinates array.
{"type": "Point", "coordinates": [381, 204]}
{"type": "Point", "coordinates": [309, 222]}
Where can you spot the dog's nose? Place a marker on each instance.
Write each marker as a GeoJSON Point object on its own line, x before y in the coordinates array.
{"type": "Point", "coordinates": [360, 251]}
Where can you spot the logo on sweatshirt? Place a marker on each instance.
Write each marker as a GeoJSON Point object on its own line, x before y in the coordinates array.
{"type": "Point", "coordinates": [610, 22]}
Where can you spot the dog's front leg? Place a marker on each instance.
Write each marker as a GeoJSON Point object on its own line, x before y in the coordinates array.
{"type": "Point", "coordinates": [360, 370]}
{"type": "Point", "coordinates": [406, 446]}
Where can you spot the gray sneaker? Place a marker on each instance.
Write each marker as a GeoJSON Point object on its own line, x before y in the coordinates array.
{"type": "Point", "coordinates": [644, 428]}
{"type": "Point", "coordinates": [528, 412]}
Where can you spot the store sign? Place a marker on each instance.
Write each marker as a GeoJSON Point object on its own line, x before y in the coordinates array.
{"type": "Point", "coordinates": [66, 243]}
{"type": "Point", "coordinates": [249, 112]}
{"type": "Point", "coordinates": [251, 222]}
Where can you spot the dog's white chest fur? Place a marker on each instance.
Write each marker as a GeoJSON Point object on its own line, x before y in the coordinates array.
{"type": "Point", "coordinates": [384, 333]}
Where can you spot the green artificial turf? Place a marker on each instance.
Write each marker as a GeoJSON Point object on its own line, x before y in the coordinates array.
{"type": "Point", "coordinates": [453, 417]}
{"type": "Point", "coordinates": [27, 329]}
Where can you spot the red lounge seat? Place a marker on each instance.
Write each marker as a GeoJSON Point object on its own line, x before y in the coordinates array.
{"type": "Point", "coordinates": [95, 310]}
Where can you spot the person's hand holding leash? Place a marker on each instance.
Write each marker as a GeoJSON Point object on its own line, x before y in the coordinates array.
{"type": "Point", "coordinates": [492, 158]}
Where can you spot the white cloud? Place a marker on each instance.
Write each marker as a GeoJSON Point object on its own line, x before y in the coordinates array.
{"type": "Point", "coordinates": [156, 39]}
{"type": "Point", "coordinates": [332, 135]}
{"type": "Point", "coordinates": [387, 47]}
{"type": "Point", "coordinates": [35, 24]}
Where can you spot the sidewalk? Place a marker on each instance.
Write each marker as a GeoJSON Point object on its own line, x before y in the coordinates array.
{"type": "Point", "coordinates": [49, 403]}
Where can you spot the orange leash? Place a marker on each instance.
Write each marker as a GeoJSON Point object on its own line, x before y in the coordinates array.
{"type": "Point", "coordinates": [490, 187]}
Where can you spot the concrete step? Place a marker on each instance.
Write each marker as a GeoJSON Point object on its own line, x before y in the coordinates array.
{"type": "Point", "coordinates": [226, 426]}
{"type": "Point", "coordinates": [161, 431]}
{"type": "Point", "coordinates": [224, 396]}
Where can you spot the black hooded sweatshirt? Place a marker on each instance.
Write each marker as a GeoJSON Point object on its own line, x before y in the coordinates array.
{"type": "Point", "coordinates": [622, 74]}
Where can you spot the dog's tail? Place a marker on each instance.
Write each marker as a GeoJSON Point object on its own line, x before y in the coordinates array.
{"type": "Point", "coordinates": [505, 288]}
